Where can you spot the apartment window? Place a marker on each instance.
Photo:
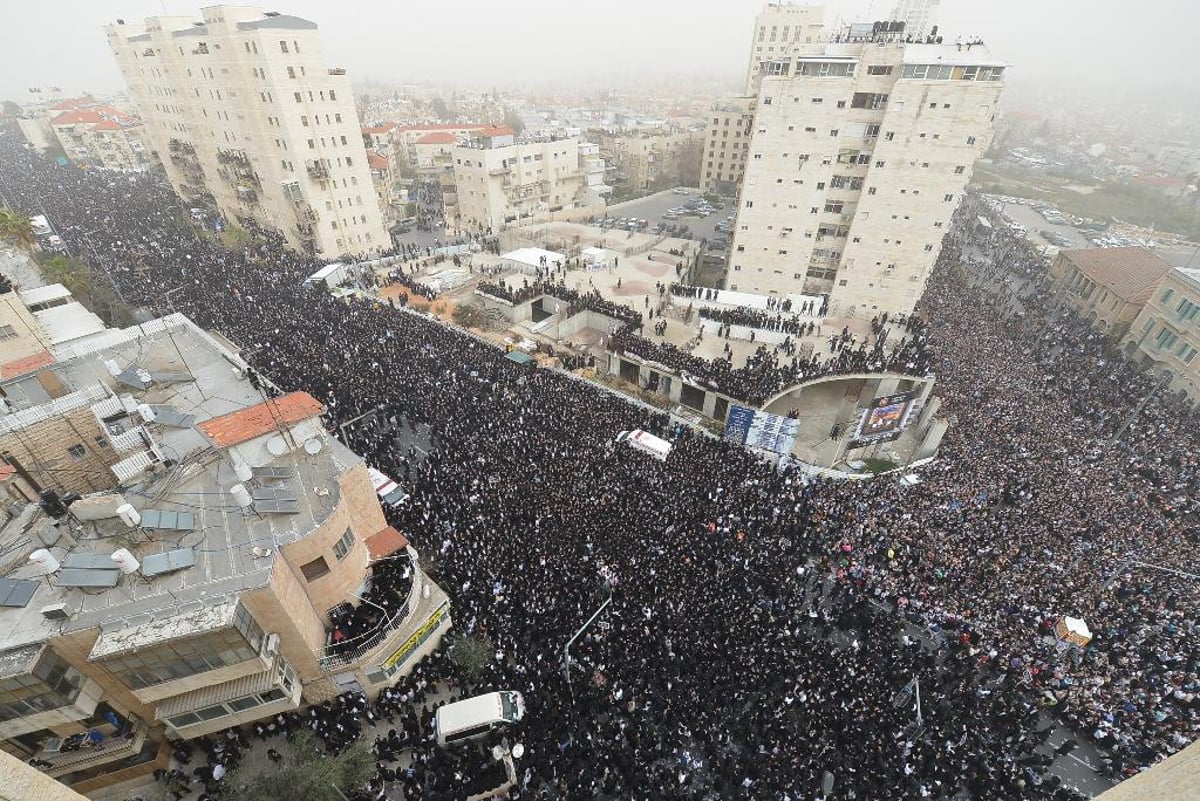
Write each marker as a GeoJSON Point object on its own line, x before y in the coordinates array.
{"type": "Point", "coordinates": [342, 547]}
{"type": "Point", "coordinates": [349, 162]}
{"type": "Point", "coordinates": [833, 132]}
{"type": "Point", "coordinates": [7, 332]}
{"type": "Point", "coordinates": [1166, 296]}
{"type": "Point", "coordinates": [871, 190]}
{"type": "Point", "coordinates": [315, 569]}
{"type": "Point", "coordinates": [879, 69]}
{"type": "Point", "coordinates": [970, 140]}
{"type": "Point", "coordinates": [841, 104]}
{"type": "Point", "coordinates": [818, 100]}
{"type": "Point", "coordinates": [960, 169]}
{"type": "Point", "coordinates": [298, 96]}
{"type": "Point", "coordinates": [343, 140]}
{"type": "Point", "coordinates": [879, 165]}
{"type": "Point", "coordinates": [291, 72]}
{"type": "Point", "coordinates": [283, 48]}
{"type": "Point", "coordinates": [948, 198]}
{"type": "Point", "coordinates": [890, 135]}
{"type": "Point", "coordinates": [77, 452]}
{"type": "Point", "coordinates": [295, 45]}
{"type": "Point", "coordinates": [304, 120]}
{"type": "Point", "coordinates": [766, 101]}
{"type": "Point", "coordinates": [928, 248]}
{"type": "Point", "coordinates": [332, 95]}
{"type": "Point", "coordinates": [749, 204]}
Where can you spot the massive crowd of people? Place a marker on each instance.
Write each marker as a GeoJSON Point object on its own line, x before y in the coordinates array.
{"type": "Point", "coordinates": [759, 633]}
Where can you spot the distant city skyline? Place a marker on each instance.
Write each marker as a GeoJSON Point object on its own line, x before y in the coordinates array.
{"type": "Point", "coordinates": [545, 42]}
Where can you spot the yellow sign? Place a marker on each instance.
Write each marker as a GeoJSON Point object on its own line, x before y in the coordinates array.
{"type": "Point", "coordinates": [419, 636]}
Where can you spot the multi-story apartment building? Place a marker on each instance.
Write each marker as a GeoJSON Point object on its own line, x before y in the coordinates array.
{"type": "Point", "coordinates": [499, 181]}
{"type": "Point", "coordinates": [224, 560]}
{"type": "Point", "coordinates": [103, 137]}
{"type": "Point", "coordinates": [1165, 334]}
{"type": "Point", "coordinates": [244, 113]}
{"type": "Point", "coordinates": [919, 16]}
{"type": "Point", "coordinates": [649, 159]}
{"type": "Point", "coordinates": [858, 157]}
{"type": "Point", "coordinates": [726, 142]}
{"type": "Point", "coordinates": [782, 30]}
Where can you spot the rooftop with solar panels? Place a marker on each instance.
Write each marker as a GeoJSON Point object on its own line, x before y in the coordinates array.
{"type": "Point", "coordinates": [210, 471]}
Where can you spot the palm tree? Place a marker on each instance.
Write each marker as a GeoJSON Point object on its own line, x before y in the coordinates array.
{"type": "Point", "coordinates": [17, 228]}
{"type": "Point", "coordinates": [70, 273]}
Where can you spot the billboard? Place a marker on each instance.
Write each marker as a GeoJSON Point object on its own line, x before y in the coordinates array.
{"type": "Point", "coordinates": [886, 418]}
{"type": "Point", "coordinates": [758, 429]}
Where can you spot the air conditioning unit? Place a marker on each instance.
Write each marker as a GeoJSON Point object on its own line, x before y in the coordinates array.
{"type": "Point", "coordinates": [55, 612]}
{"type": "Point", "coordinates": [272, 646]}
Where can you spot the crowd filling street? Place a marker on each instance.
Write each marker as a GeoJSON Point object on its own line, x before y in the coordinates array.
{"type": "Point", "coordinates": [758, 637]}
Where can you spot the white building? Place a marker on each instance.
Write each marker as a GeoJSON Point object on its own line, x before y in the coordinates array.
{"type": "Point", "coordinates": [244, 113]}
{"type": "Point", "coordinates": [919, 16]}
{"type": "Point", "coordinates": [726, 142]}
{"type": "Point", "coordinates": [782, 29]}
{"type": "Point", "coordinates": [858, 158]}
{"type": "Point", "coordinates": [499, 181]}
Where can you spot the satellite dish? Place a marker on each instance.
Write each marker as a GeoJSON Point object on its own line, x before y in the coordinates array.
{"type": "Point", "coordinates": [498, 752]}
{"type": "Point", "coordinates": [277, 446]}
{"type": "Point", "coordinates": [313, 446]}
{"type": "Point", "coordinates": [240, 495]}
{"type": "Point", "coordinates": [44, 561]}
{"type": "Point", "coordinates": [518, 751]}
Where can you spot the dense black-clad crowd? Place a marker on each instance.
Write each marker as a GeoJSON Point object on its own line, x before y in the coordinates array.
{"type": "Point", "coordinates": [723, 668]}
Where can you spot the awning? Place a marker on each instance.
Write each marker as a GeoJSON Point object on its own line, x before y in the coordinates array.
{"type": "Point", "coordinates": [520, 357]}
{"type": "Point", "coordinates": [385, 542]}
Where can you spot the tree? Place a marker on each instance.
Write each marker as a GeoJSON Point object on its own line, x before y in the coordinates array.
{"type": "Point", "coordinates": [468, 315]}
{"type": "Point", "coordinates": [70, 273]}
{"type": "Point", "coordinates": [513, 120]}
{"type": "Point", "coordinates": [471, 653]}
{"type": "Point", "coordinates": [439, 108]}
{"type": "Point", "coordinates": [306, 773]}
{"type": "Point", "coordinates": [17, 229]}
{"type": "Point", "coordinates": [11, 108]}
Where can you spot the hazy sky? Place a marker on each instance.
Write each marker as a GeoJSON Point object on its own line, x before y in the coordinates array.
{"type": "Point", "coordinates": [481, 42]}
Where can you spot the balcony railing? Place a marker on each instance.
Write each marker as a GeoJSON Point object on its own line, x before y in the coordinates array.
{"type": "Point", "coordinates": [318, 171]}
{"type": "Point", "coordinates": [347, 652]}
{"type": "Point", "coordinates": [111, 748]}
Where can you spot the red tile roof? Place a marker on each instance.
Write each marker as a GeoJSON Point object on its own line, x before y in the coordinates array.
{"type": "Point", "coordinates": [73, 103]}
{"type": "Point", "coordinates": [376, 161]}
{"type": "Point", "coordinates": [385, 542]}
{"type": "Point", "coordinates": [254, 421]}
{"type": "Point", "coordinates": [497, 130]}
{"type": "Point", "coordinates": [6, 470]}
{"type": "Point", "coordinates": [1129, 273]}
{"type": "Point", "coordinates": [446, 126]}
{"type": "Point", "coordinates": [105, 118]}
{"type": "Point", "coordinates": [25, 365]}
{"type": "Point", "coordinates": [378, 129]}
{"type": "Point", "coordinates": [437, 138]}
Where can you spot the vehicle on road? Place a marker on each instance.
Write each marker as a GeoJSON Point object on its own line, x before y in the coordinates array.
{"type": "Point", "coordinates": [477, 717]}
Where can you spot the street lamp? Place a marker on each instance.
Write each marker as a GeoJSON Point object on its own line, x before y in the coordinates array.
{"type": "Point", "coordinates": [567, 648]}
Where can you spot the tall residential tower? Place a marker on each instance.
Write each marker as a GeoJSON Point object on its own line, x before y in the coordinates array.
{"type": "Point", "coordinates": [246, 116]}
{"type": "Point", "coordinates": [858, 157]}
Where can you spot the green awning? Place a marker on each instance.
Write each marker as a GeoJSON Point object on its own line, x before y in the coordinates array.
{"type": "Point", "coordinates": [518, 356]}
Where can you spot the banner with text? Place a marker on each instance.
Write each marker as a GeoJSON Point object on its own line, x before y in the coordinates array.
{"type": "Point", "coordinates": [758, 429]}
{"type": "Point", "coordinates": [885, 419]}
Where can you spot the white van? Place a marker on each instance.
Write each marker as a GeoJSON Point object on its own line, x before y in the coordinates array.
{"type": "Point", "coordinates": [475, 717]}
{"type": "Point", "coordinates": [646, 442]}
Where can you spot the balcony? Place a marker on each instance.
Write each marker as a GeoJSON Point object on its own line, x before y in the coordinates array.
{"type": "Point", "coordinates": [232, 703]}
{"type": "Point", "coordinates": [500, 171]}
{"type": "Point", "coordinates": [84, 753]}
{"type": "Point", "coordinates": [317, 171]}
